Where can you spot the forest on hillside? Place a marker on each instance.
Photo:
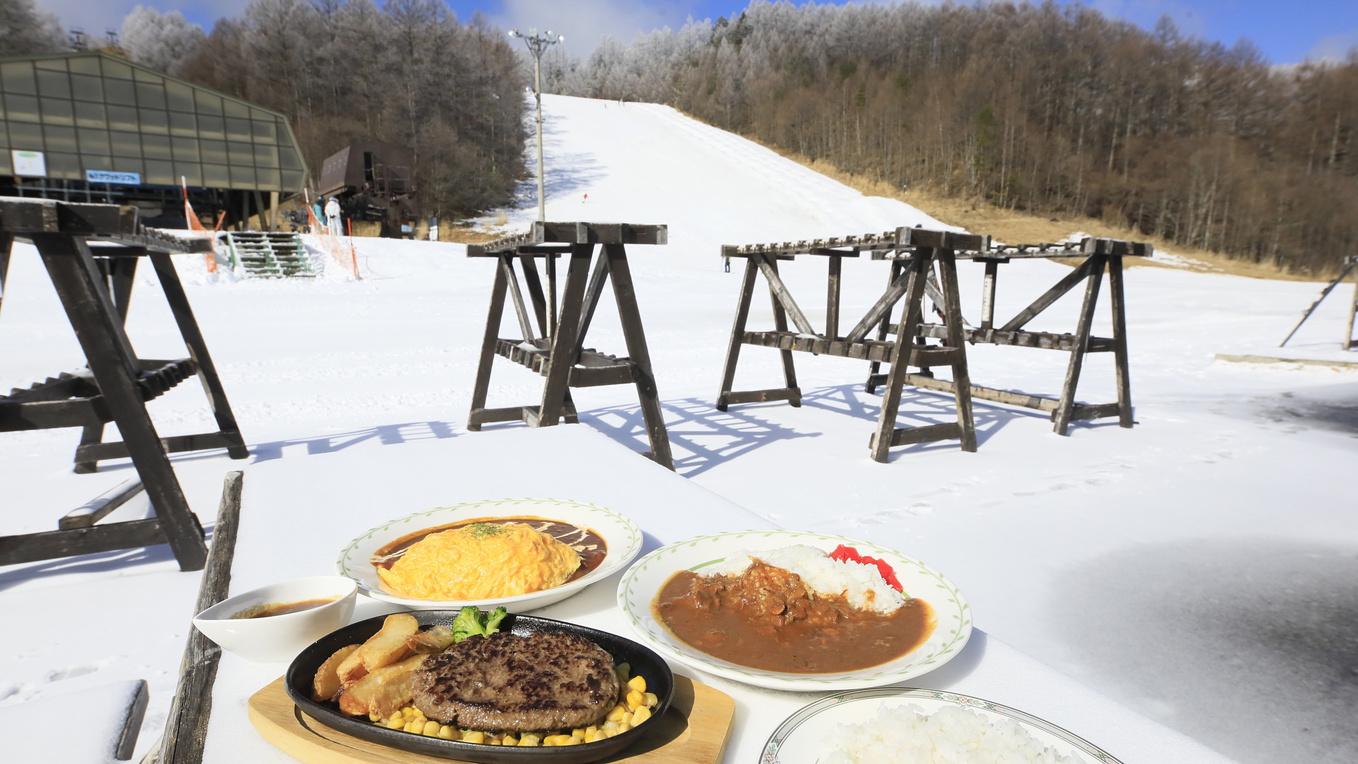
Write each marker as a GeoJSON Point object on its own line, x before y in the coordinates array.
{"type": "Point", "coordinates": [1044, 108]}
{"type": "Point", "coordinates": [1033, 107]}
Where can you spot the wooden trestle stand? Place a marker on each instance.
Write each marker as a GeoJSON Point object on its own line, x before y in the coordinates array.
{"type": "Point", "coordinates": [91, 252]}
{"type": "Point", "coordinates": [552, 342]}
{"type": "Point", "coordinates": [924, 263]}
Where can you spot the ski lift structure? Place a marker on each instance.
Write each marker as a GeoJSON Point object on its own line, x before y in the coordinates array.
{"type": "Point", "coordinates": [374, 182]}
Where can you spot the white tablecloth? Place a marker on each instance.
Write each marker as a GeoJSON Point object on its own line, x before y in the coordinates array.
{"type": "Point", "coordinates": [299, 510]}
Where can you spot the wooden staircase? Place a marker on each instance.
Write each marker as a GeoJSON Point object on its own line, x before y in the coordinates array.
{"type": "Point", "coordinates": [262, 254]}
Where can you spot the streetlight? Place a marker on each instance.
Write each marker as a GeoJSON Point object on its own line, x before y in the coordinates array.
{"type": "Point", "coordinates": [536, 44]}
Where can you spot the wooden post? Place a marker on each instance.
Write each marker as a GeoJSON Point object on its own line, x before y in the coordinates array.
{"type": "Point", "coordinates": [880, 444]}
{"type": "Point", "coordinates": [1353, 309]}
{"type": "Point", "coordinates": [625, 294]}
{"type": "Point", "coordinates": [1121, 362]}
{"type": "Point", "coordinates": [728, 372]}
{"type": "Point", "coordinates": [491, 337]}
{"type": "Point", "coordinates": [1062, 415]}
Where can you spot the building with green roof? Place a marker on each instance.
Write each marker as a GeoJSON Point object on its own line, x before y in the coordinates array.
{"type": "Point", "coordinates": [92, 126]}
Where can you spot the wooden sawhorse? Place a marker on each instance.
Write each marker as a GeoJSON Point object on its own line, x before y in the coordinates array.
{"type": "Point", "coordinates": [552, 342]}
{"type": "Point", "coordinates": [94, 289]}
{"type": "Point", "coordinates": [1100, 256]}
{"type": "Point", "coordinates": [914, 254]}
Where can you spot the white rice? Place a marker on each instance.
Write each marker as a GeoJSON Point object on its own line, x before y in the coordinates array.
{"type": "Point", "coordinates": [951, 735]}
{"type": "Point", "coordinates": [861, 584]}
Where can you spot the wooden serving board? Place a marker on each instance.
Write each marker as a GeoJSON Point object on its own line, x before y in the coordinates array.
{"type": "Point", "coordinates": [694, 730]}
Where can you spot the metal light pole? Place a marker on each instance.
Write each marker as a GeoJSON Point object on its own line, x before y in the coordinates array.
{"type": "Point", "coordinates": [536, 44]}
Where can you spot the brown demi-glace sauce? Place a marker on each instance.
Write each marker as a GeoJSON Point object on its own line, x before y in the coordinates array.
{"type": "Point", "coordinates": [282, 608]}
{"type": "Point", "coordinates": [589, 545]}
{"type": "Point", "coordinates": [766, 619]}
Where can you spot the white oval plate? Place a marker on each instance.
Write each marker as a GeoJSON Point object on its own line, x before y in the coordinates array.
{"type": "Point", "coordinates": [620, 533]}
{"type": "Point", "coordinates": [800, 739]}
{"type": "Point", "coordinates": [643, 581]}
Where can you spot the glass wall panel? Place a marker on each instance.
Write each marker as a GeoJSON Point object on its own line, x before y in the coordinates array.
{"type": "Point", "coordinates": [17, 77]}
{"type": "Point", "coordinates": [216, 175]}
{"type": "Point", "coordinates": [154, 121]}
{"type": "Point", "coordinates": [269, 180]}
{"type": "Point", "coordinates": [92, 141]}
{"type": "Point", "coordinates": [191, 172]}
{"type": "Point", "coordinates": [60, 165]}
{"type": "Point", "coordinates": [84, 64]}
{"type": "Point", "coordinates": [237, 109]}
{"type": "Point", "coordinates": [266, 155]}
{"type": "Point", "coordinates": [211, 127]}
{"type": "Point", "coordinates": [237, 129]}
{"type": "Point", "coordinates": [85, 88]}
{"type": "Point", "coordinates": [151, 94]}
{"type": "Point", "coordinates": [57, 111]}
{"type": "Point", "coordinates": [241, 153]}
{"type": "Point", "coordinates": [122, 117]}
{"type": "Point", "coordinates": [96, 162]}
{"type": "Point", "coordinates": [155, 146]}
{"type": "Point", "coordinates": [185, 149]}
{"type": "Point", "coordinates": [114, 69]}
{"type": "Point", "coordinates": [128, 164]}
{"type": "Point", "coordinates": [242, 177]}
{"type": "Point", "coordinates": [25, 135]}
{"type": "Point", "coordinates": [54, 84]}
{"type": "Point", "coordinates": [160, 173]}
{"type": "Point", "coordinates": [208, 103]}
{"type": "Point", "coordinates": [119, 92]}
{"type": "Point", "coordinates": [293, 180]}
{"type": "Point", "coordinates": [90, 115]}
{"type": "Point", "coordinates": [21, 108]}
{"type": "Point", "coordinates": [60, 139]}
{"type": "Point", "coordinates": [213, 151]}
{"type": "Point", "coordinates": [178, 96]}
{"type": "Point", "coordinates": [266, 131]}
{"type": "Point", "coordinates": [183, 125]}
{"type": "Point", "coordinates": [289, 159]}
{"type": "Point", "coordinates": [125, 144]}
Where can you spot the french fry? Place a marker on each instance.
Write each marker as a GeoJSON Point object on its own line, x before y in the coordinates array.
{"type": "Point", "coordinates": [382, 691]}
{"type": "Point", "coordinates": [351, 669]}
{"type": "Point", "coordinates": [435, 640]}
{"type": "Point", "coordinates": [327, 681]}
{"type": "Point", "coordinates": [388, 645]}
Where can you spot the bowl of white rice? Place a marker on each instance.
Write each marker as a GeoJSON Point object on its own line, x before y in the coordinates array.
{"type": "Point", "coordinates": [893, 725]}
{"type": "Point", "coordinates": [804, 553]}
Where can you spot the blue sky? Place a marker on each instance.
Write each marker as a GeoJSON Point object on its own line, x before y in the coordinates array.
{"type": "Point", "coordinates": [1284, 32]}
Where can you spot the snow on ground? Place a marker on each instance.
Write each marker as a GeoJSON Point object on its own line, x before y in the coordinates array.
{"type": "Point", "coordinates": [1200, 567]}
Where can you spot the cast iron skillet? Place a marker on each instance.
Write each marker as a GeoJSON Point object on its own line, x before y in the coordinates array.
{"type": "Point", "coordinates": [645, 662]}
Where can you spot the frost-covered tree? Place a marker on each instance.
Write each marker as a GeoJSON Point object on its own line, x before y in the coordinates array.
{"type": "Point", "coordinates": [26, 31]}
{"type": "Point", "coordinates": [161, 41]}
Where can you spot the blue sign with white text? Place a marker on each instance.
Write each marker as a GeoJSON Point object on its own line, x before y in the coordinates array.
{"type": "Point", "coordinates": [104, 176]}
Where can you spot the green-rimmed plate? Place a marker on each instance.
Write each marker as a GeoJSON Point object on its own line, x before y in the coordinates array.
{"type": "Point", "coordinates": [802, 738]}
{"type": "Point", "coordinates": [644, 579]}
{"type": "Point", "coordinates": [621, 535]}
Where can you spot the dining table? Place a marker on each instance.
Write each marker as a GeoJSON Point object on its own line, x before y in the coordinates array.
{"type": "Point", "coordinates": [300, 506]}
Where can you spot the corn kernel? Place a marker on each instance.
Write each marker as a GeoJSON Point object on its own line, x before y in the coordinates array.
{"type": "Point", "coordinates": [509, 740]}
{"type": "Point", "coordinates": [651, 700]}
{"type": "Point", "coordinates": [430, 728]}
{"type": "Point", "coordinates": [376, 718]}
{"type": "Point", "coordinates": [530, 740]}
{"type": "Point", "coordinates": [616, 713]}
{"type": "Point", "coordinates": [594, 736]}
{"type": "Point", "coordinates": [396, 723]}
{"type": "Point", "coordinates": [413, 726]}
{"type": "Point", "coordinates": [579, 733]}
{"type": "Point", "coordinates": [473, 736]}
{"type": "Point", "coordinates": [637, 683]}
{"type": "Point", "coordinates": [635, 700]}
{"type": "Point", "coordinates": [447, 733]}
{"type": "Point", "coordinates": [557, 740]}
{"type": "Point", "coordinates": [408, 712]}
{"type": "Point", "coordinates": [640, 715]}
{"type": "Point", "coordinates": [624, 672]}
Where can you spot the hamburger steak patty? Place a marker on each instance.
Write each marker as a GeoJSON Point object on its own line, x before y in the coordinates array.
{"type": "Point", "coordinates": [544, 681]}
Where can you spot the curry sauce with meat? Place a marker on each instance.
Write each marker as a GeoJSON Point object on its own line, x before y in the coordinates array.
{"type": "Point", "coordinates": [765, 618]}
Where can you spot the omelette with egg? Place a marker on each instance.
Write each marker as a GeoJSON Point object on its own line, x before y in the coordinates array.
{"type": "Point", "coordinates": [480, 561]}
